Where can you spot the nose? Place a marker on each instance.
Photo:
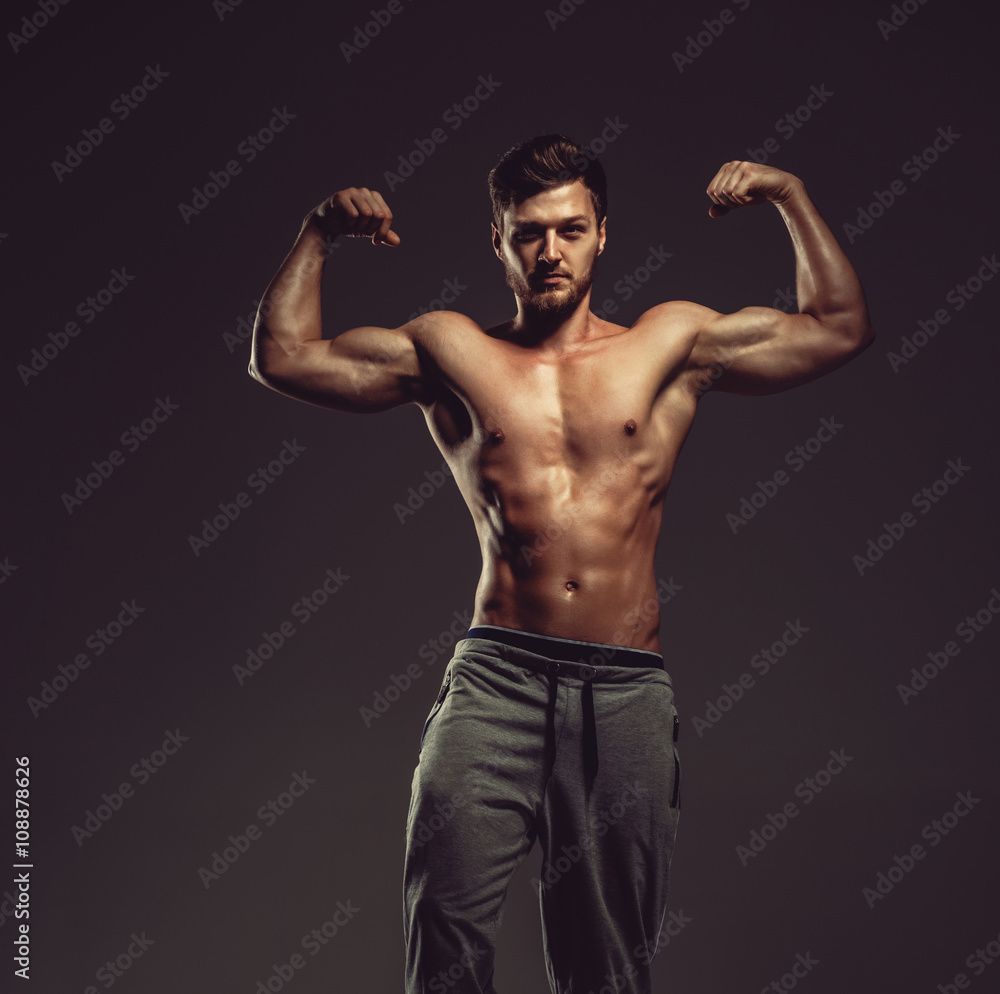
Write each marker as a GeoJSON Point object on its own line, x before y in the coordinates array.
{"type": "Point", "coordinates": [550, 249]}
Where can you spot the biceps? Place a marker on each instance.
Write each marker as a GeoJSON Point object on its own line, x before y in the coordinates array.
{"type": "Point", "coordinates": [363, 370]}
{"type": "Point", "coordinates": [760, 350]}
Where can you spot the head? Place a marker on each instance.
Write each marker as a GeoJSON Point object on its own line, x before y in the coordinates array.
{"type": "Point", "coordinates": [549, 207]}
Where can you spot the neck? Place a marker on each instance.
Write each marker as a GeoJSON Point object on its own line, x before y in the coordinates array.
{"type": "Point", "coordinates": [563, 331]}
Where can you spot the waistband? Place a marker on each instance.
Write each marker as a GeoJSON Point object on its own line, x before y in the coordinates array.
{"type": "Point", "coordinates": [569, 650]}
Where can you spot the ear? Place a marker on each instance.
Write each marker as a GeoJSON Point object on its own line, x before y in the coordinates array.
{"type": "Point", "coordinates": [602, 235]}
{"type": "Point", "coordinates": [497, 240]}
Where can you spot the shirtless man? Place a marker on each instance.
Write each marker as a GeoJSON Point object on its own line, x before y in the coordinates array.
{"type": "Point", "coordinates": [555, 719]}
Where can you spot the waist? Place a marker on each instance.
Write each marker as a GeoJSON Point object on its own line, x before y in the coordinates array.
{"type": "Point", "coordinates": [568, 650]}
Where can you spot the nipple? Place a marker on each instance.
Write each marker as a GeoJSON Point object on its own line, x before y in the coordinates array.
{"type": "Point", "coordinates": [630, 427]}
{"type": "Point", "coordinates": [497, 436]}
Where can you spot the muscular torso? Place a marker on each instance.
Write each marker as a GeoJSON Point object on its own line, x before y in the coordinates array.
{"type": "Point", "coordinates": [564, 460]}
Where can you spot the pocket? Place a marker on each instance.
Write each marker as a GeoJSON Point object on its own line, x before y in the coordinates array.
{"type": "Point", "coordinates": [435, 708]}
{"type": "Point", "coordinates": [675, 801]}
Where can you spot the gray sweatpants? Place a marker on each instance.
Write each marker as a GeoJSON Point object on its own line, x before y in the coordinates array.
{"type": "Point", "coordinates": [572, 743]}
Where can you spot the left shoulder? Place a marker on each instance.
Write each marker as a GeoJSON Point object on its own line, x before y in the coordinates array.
{"type": "Point", "coordinates": [678, 316]}
{"type": "Point", "coordinates": [676, 323]}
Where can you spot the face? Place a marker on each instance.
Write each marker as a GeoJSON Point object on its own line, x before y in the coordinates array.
{"type": "Point", "coordinates": [549, 247]}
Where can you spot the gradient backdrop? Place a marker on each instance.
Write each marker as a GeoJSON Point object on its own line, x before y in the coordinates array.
{"type": "Point", "coordinates": [205, 791]}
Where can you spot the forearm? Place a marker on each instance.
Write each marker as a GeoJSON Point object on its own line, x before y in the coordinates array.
{"type": "Point", "coordinates": [290, 312]}
{"type": "Point", "coordinates": [826, 284]}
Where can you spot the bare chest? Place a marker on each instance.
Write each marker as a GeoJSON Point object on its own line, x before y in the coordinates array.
{"type": "Point", "coordinates": [609, 399]}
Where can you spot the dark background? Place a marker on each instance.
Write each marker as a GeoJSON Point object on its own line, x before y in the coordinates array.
{"type": "Point", "coordinates": [66, 569]}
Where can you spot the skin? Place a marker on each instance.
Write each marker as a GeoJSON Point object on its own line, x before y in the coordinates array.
{"type": "Point", "coordinates": [561, 429]}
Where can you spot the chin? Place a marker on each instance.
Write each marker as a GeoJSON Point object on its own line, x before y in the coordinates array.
{"type": "Point", "coordinates": [551, 303]}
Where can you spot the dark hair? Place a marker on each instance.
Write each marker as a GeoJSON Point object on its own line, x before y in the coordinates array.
{"type": "Point", "coordinates": [541, 163]}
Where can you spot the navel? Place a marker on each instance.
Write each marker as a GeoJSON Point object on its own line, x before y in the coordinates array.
{"type": "Point", "coordinates": [571, 585]}
{"type": "Point", "coordinates": [630, 427]}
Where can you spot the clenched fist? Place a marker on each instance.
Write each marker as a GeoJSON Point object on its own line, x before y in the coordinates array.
{"type": "Point", "coordinates": [356, 212]}
{"type": "Point", "coordinates": [743, 184]}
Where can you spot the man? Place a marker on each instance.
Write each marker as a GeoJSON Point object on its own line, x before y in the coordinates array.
{"type": "Point", "coordinates": [555, 718]}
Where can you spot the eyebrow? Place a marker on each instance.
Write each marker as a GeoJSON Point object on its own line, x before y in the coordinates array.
{"type": "Point", "coordinates": [568, 220]}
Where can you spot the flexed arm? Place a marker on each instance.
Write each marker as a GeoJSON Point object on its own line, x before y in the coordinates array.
{"type": "Point", "coordinates": [763, 350]}
{"type": "Point", "coordinates": [363, 370]}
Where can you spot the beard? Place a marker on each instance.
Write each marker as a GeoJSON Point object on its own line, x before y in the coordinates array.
{"type": "Point", "coordinates": [554, 300]}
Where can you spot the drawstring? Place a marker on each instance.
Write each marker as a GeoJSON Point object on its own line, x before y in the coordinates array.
{"type": "Point", "coordinates": [591, 760]}
{"type": "Point", "coordinates": [550, 726]}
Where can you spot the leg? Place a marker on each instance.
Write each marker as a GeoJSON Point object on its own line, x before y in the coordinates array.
{"type": "Point", "coordinates": [472, 820]}
{"type": "Point", "coordinates": [606, 862]}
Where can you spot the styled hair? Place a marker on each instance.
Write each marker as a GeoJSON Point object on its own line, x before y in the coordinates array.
{"type": "Point", "coordinates": [541, 163]}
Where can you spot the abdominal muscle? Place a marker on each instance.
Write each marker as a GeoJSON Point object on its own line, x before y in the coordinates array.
{"type": "Point", "coordinates": [580, 570]}
{"type": "Point", "coordinates": [569, 552]}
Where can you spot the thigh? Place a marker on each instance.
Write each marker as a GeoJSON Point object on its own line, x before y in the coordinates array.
{"type": "Point", "coordinates": [606, 858]}
{"type": "Point", "coordinates": [476, 789]}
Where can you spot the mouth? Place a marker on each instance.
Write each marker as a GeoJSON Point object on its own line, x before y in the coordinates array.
{"type": "Point", "coordinates": [553, 279]}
